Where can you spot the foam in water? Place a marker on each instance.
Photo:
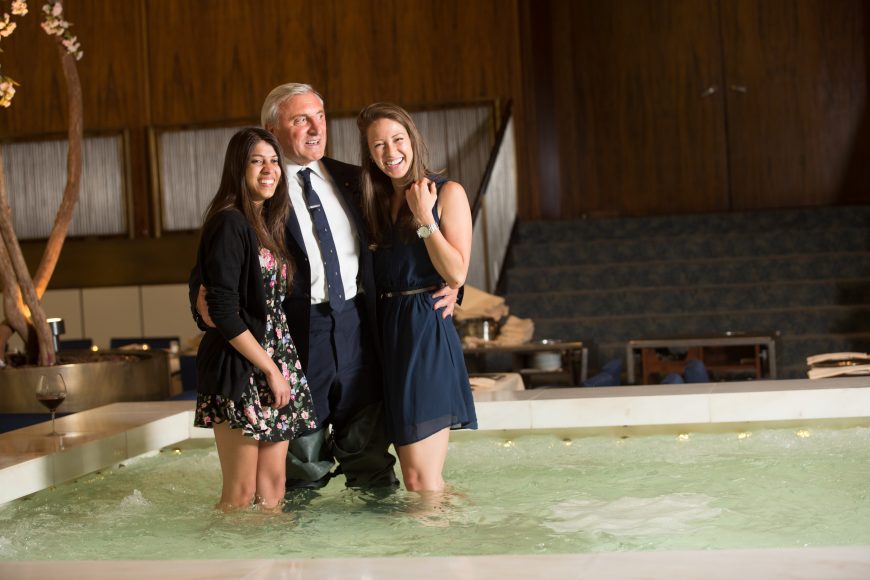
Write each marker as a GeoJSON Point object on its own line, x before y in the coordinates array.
{"type": "Point", "coordinates": [634, 516]}
{"type": "Point", "coordinates": [134, 500]}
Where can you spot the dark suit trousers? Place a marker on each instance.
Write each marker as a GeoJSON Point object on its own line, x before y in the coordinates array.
{"type": "Point", "coordinates": [348, 396]}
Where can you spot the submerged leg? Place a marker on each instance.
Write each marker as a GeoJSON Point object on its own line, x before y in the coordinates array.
{"type": "Point", "coordinates": [309, 461]}
{"type": "Point", "coordinates": [238, 457]}
{"type": "Point", "coordinates": [423, 462]}
{"type": "Point", "coordinates": [270, 474]}
{"type": "Point", "coordinates": [361, 448]}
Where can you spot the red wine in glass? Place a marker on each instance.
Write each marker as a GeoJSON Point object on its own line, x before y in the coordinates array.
{"type": "Point", "coordinates": [51, 401]}
{"type": "Point", "coordinates": [51, 391]}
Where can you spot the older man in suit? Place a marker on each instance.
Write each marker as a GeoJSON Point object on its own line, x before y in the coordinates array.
{"type": "Point", "coordinates": [331, 306]}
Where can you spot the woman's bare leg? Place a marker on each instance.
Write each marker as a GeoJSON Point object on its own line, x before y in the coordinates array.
{"type": "Point", "coordinates": [238, 456]}
{"type": "Point", "coordinates": [423, 462]}
{"type": "Point", "coordinates": [271, 466]}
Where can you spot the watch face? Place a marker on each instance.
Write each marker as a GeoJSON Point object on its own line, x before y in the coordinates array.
{"type": "Point", "coordinates": [423, 232]}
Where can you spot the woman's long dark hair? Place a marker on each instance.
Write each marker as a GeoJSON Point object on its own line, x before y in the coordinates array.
{"type": "Point", "coordinates": [376, 187]}
{"type": "Point", "coordinates": [268, 219]}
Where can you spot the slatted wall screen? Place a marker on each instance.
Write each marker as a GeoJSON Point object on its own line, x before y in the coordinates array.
{"type": "Point", "coordinates": [190, 161]}
{"type": "Point", "coordinates": [459, 140]}
{"type": "Point", "coordinates": [189, 172]}
{"type": "Point", "coordinates": [36, 177]}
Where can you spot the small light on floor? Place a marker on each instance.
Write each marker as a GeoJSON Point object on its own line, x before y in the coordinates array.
{"type": "Point", "coordinates": [508, 443]}
{"type": "Point", "coordinates": [95, 348]}
{"type": "Point", "coordinates": [803, 433]}
{"type": "Point", "coordinates": [683, 437]}
{"type": "Point", "coordinates": [567, 442]}
{"type": "Point", "coordinates": [176, 450]}
{"type": "Point", "coordinates": [744, 435]}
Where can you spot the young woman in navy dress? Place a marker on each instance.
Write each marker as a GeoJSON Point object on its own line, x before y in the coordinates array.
{"type": "Point", "coordinates": [420, 225]}
{"type": "Point", "coordinates": [251, 390]}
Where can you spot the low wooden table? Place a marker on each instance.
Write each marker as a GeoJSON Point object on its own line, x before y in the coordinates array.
{"type": "Point", "coordinates": [569, 360]}
{"type": "Point", "coordinates": [721, 354]}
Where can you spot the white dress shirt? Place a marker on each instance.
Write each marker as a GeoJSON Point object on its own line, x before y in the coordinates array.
{"type": "Point", "coordinates": [344, 232]}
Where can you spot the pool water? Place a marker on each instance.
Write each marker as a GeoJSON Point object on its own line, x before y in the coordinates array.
{"type": "Point", "coordinates": [533, 494]}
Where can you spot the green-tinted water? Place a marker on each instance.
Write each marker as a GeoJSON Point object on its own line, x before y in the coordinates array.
{"type": "Point", "coordinates": [535, 494]}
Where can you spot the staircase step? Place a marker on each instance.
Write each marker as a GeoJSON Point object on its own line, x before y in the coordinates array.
{"type": "Point", "coordinates": [686, 247]}
{"type": "Point", "coordinates": [750, 223]}
{"type": "Point", "coordinates": [838, 265]}
{"type": "Point", "coordinates": [679, 299]}
{"type": "Point", "coordinates": [804, 273]}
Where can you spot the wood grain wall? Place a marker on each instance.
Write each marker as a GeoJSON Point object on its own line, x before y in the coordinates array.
{"type": "Point", "coordinates": [628, 107]}
{"type": "Point", "coordinates": [681, 106]}
{"type": "Point", "coordinates": [158, 63]}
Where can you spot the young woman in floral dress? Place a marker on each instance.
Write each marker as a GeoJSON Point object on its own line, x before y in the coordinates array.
{"type": "Point", "coordinates": [251, 390]}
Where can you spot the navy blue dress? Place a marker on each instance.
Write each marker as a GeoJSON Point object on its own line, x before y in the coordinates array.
{"type": "Point", "coordinates": [425, 379]}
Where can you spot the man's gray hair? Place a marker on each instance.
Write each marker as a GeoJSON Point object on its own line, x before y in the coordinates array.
{"type": "Point", "coordinates": [269, 113]}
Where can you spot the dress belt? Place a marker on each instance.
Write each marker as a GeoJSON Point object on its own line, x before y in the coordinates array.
{"type": "Point", "coordinates": [408, 292]}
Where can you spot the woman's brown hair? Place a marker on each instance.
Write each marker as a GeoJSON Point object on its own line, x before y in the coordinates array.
{"type": "Point", "coordinates": [376, 187]}
{"type": "Point", "coordinates": [267, 219]}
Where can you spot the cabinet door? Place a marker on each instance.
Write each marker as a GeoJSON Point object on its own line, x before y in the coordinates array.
{"type": "Point", "coordinates": [796, 98]}
{"type": "Point", "coordinates": [639, 106]}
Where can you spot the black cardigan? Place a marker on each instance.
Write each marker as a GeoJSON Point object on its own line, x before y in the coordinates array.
{"type": "Point", "coordinates": [228, 259]}
{"type": "Point", "coordinates": [297, 303]}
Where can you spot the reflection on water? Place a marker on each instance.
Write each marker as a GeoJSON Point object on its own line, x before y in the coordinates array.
{"type": "Point", "coordinates": [634, 516]}
{"type": "Point", "coordinates": [539, 494]}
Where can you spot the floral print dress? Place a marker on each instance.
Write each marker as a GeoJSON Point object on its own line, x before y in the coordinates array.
{"type": "Point", "coordinates": [253, 413]}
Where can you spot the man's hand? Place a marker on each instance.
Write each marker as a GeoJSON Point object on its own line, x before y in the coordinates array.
{"type": "Point", "coordinates": [445, 298]}
{"type": "Point", "coordinates": [202, 307]}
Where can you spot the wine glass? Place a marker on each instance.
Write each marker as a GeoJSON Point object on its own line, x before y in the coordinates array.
{"type": "Point", "coordinates": [51, 391]}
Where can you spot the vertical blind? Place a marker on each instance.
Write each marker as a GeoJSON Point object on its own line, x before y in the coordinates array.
{"type": "Point", "coordinates": [190, 160]}
{"type": "Point", "coordinates": [36, 177]}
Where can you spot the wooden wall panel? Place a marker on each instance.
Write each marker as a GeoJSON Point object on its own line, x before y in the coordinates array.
{"type": "Point", "coordinates": [797, 102]}
{"type": "Point", "coordinates": [637, 133]}
{"type": "Point", "coordinates": [693, 106]}
{"type": "Point", "coordinates": [539, 153]}
{"type": "Point", "coordinates": [215, 60]}
{"type": "Point", "coordinates": [111, 39]}
{"type": "Point", "coordinates": [218, 59]}
{"type": "Point", "coordinates": [159, 63]}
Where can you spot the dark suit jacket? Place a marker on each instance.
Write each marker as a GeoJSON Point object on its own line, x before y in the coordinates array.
{"type": "Point", "coordinates": [297, 304]}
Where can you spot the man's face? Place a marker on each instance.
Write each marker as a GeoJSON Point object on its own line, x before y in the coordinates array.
{"type": "Point", "coordinates": [301, 128]}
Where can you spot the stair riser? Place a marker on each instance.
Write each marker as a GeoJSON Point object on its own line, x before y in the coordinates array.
{"type": "Point", "coordinates": [580, 252]}
{"type": "Point", "coordinates": [838, 266]}
{"type": "Point", "coordinates": [794, 323]}
{"type": "Point", "coordinates": [688, 299]}
{"type": "Point", "coordinates": [749, 223]}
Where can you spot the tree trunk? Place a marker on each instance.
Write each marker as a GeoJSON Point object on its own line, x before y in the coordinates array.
{"type": "Point", "coordinates": [16, 279]}
{"type": "Point", "coordinates": [37, 316]}
{"type": "Point", "coordinates": [73, 174]}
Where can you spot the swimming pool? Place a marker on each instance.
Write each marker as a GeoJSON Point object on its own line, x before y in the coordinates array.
{"type": "Point", "coordinates": [523, 494]}
{"type": "Point", "coordinates": [624, 411]}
